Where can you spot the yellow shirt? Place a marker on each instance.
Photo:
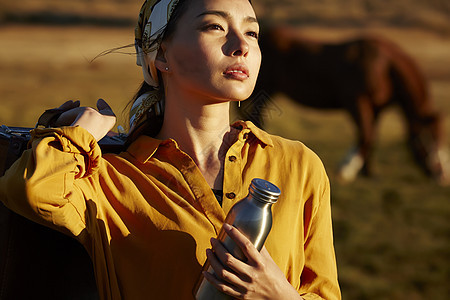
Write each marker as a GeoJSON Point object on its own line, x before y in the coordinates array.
{"type": "Point", "coordinates": [146, 216]}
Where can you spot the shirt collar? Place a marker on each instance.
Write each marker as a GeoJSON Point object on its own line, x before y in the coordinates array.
{"type": "Point", "coordinates": [261, 135]}
{"type": "Point", "coordinates": [144, 147]}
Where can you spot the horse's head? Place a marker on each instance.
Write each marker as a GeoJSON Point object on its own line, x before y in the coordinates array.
{"type": "Point", "coordinates": [429, 149]}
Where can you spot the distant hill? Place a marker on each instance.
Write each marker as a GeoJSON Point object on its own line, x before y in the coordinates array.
{"type": "Point", "coordinates": [430, 14]}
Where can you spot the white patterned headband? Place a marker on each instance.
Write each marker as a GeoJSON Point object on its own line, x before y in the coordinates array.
{"type": "Point", "coordinates": [153, 18]}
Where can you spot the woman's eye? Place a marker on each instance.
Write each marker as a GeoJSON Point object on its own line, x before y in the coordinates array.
{"type": "Point", "coordinates": [253, 34]}
{"type": "Point", "coordinates": [214, 27]}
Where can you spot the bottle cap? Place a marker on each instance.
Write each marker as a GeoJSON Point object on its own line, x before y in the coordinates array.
{"type": "Point", "coordinates": [263, 190]}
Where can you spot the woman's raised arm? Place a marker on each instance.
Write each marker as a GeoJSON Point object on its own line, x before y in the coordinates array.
{"type": "Point", "coordinates": [42, 184]}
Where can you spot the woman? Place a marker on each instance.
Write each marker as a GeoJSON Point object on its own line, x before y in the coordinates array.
{"type": "Point", "coordinates": [146, 216]}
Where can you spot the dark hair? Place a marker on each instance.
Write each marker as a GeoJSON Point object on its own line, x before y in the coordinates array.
{"type": "Point", "coordinates": [153, 123]}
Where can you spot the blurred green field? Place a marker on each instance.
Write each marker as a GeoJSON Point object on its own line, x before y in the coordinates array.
{"type": "Point", "coordinates": [392, 231]}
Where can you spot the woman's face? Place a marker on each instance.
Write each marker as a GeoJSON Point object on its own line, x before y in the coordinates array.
{"type": "Point", "coordinates": [214, 52]}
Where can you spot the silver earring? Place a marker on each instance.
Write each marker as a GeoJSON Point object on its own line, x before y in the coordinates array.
{"type": "Point", "coordinates": [167, 68]}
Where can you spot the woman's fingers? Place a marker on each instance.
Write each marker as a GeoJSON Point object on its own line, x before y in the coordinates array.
{"type": "Point", "coordinates": [247, 247]}
{"type": "Point", "coordinates": [223, 279]}
{"type": "Point", "coordinates": [228, 268]}
{"type": "Point", "coordinates": [258, 277]}
{"type": "Point", "coordinates": [222, 272]}
{"type": "Point", "coordinates": [222, 286]}
{"type": "Point", "coordinates": [230, 262]}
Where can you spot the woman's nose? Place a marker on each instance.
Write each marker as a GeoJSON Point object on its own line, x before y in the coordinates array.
{"type": "Point", "coordinates": [237, 45]}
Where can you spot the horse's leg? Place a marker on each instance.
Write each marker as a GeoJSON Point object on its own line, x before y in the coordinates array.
{"type": "Point", "coordinates": [358, 159]}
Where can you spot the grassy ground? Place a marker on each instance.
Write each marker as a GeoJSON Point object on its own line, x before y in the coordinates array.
{"type": "Point", "coordinates": [391, 231]}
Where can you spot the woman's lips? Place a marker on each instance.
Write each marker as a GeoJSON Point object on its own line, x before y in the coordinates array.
{"type": "Point", "coordinates": [237, 72]}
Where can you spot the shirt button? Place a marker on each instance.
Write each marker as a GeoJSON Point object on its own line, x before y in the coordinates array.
{"type": "Point", "coordinates": [232, 158]}
{"type": "Point", "coordinates": [230, 195]}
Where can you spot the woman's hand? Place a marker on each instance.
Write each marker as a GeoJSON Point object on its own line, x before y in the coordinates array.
{"type": "Point", "coordinates": [97, 122]}
{"type": "Point", "coordinates": [258, 278]}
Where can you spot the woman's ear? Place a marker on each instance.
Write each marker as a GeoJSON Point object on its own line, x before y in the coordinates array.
{"type": "Point", "coordinates": [160, 61]}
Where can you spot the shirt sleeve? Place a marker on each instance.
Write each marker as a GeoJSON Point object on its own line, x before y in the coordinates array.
{"type": "Point", "coordinates": [319, 276]}
{"type": "Point", "coordinates": [40, 185]}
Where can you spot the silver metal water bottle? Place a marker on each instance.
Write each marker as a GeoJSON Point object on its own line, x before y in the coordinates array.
{"type": "Point", "coordinates": [253, 217]}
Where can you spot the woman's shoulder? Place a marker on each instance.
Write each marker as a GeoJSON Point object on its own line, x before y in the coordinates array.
{"type": "Point", "coordinates": [285, 146]}
{"type": "Point", "coordinates": [296, 152]}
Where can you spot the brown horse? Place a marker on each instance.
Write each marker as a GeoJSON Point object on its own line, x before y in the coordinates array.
{"type": "Point", "coordinates": [362, 76]}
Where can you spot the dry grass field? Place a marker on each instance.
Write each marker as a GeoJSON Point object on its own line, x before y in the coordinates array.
{"type": "Point", "coordinates": [392, 231]}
